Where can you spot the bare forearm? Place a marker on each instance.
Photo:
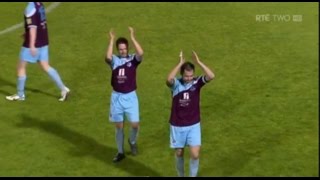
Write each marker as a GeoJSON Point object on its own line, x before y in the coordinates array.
{"type": "Point", "coordinates": [137, 47]}
{"type": "Point", "coordinates": [109, 50]}
{"type": "Point", "coordinates": [173, 73]}
{"type": "Point", "coordinates": [209, 74]}
{"type": "Point", "coordinates": [33, 35]}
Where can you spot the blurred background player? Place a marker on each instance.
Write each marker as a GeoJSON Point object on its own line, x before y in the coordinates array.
{"type": "Point", "coordinates": [35, 49]}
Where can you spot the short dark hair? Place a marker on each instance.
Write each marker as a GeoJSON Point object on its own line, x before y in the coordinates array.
{"type": "Point", "coordinates": [122, 40]}
{"type": "Point", "coordinates": [186, 66]}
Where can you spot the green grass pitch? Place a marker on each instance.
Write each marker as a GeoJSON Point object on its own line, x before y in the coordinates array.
{"type": "Point", "coordinates": [259, 115]}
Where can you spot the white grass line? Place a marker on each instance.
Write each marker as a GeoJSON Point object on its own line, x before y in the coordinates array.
{"type": "Point", "coordinates": [52, 6]}
{"type": "Point", "coordinates": [17, 26]}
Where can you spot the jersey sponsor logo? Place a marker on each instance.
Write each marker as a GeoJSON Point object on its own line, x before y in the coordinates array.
{"type": "Point", "coordinates": [121, 76]}
{"type": "Point", "coordinates": [185, 101]}
{"type": "Point", "coordinates": [186, 95]}
{"type": "Point", "coordinates": [121, 72]}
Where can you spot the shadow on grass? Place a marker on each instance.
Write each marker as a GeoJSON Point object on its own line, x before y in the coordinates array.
{"type": "Point", "coordinates": [4, 82]}
{"type": "Point", "coordinates": [87, 146]}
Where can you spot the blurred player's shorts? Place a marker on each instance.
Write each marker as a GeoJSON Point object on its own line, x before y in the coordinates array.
{"type": "Point", "coordinates": [42, 54]}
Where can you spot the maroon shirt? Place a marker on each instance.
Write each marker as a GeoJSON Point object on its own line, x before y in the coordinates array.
{"type": "Point", "coordinates": [35, 16]}
{"type": "Point", "coordinates": [124, 72]}
{"type": "Point", "coordinates": [185, 109]}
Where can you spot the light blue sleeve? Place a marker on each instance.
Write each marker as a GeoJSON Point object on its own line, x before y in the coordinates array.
{"type": "Point", "coordinates": [116, 62]}
{"type": "Point", "coordinates": [175, 84]}
{"type": "Point", "coordinates": [30, 10]}
{"type": "Point", "coordinates": [176, 87]}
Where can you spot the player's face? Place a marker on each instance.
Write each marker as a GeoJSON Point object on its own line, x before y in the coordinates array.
{"type": "Point", "coordinates": [187, 76]}
{"type": "Point", "coordinates": [123, 50]}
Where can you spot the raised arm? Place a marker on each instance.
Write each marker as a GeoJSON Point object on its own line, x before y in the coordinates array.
{"type": "Point", "coordinates": [139, 50]}
{"type": "Point", "coordinates": [109, 51]}
{"type": "Point", "coordinates": [174, 71]}
{"type": "Point", "coordinates": [209, 75]}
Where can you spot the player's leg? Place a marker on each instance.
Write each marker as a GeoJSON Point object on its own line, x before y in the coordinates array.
{"type": "Point", "coordinates": [178, 138]}
{"type": "Point", "coordinates": [22, 77]}
{"type": "Point", "coordinates": [194, 160]}
{"type": "Point", "coordinates": [120, 142]}
{"type": "Point", "coordinates": [132, 112]}
{"type": "Point", "coordinates": [180, 161]}
{"type": "Point", "coordinates": [116, 116]}
{"type": "Point", "coordinates": [25, 57]}
{"type": "Point", "coordinates": [132, 140]}
{"type": "Point", "coordinates": [21, 80]}
{"type": "Point", "coordinates": [194, 141]}
{"type": "Point", "coordinates": [54, 75]}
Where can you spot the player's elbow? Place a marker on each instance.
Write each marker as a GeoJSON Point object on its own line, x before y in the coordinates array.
{"type": "Point", "coordinates": [169, 81]}
{"type": "Point", "coordinates": [210, 77]}
{"type": "Point", "coordinates": [140, 53]}
{"type": "Point", "coordinates": [107, 59]}
{"type": "Point", "coordinates": [108, 56]}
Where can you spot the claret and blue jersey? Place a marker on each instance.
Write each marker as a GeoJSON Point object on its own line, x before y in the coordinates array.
{"type": "Point", "coordinates": [185, 110]}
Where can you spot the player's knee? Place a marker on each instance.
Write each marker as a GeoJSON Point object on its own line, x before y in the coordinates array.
{"type": "Point", "coordinates": [179, 152]}
{"type": "Point", "coordinates": [21, 72]}
{"type": "Point", "coordinates": [45, 66]}
{"type": "Point", "coordinates": [135, 125]}
{"type": "Point", "coordinates": [119, 125]}
{"type": "Point", "coordinates": [195, 155]}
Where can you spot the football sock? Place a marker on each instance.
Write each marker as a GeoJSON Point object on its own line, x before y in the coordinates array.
{"type": "Point", "coordinates": [21, 84]}
{"type": "Point", "coordinates": [133, 135]}
{"type": "Point", "coordinates": [120, 139]}
{"type": "Point", "coordinates": [56, 78]}
{"type": "Point", "coordinates": [180, 166]}
{"type": "Point", "coordinates": [194, 165]}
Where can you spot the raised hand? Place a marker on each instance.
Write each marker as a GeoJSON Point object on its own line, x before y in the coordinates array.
{"type": "Point", "coordinates": [111, 34]}
{"type": "Point", "coordinates": [182, 60]}
{"type": "Point", "coordinates": [195, 58]}
{"type": "Point", "coordinates": [131, 30]}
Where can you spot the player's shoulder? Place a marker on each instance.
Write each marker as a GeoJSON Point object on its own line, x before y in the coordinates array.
{"type": "Point", "coordinates": [178, 81]}
{"type": "Point", "coordinates": [116, 57]}
{"type": "Point", "coordinates": [196, 79]}
{"type": "Point", "coordinates": [131, 56]}
{"type": "Point", "coordinates": [30, 9]}
{"type": "Point", "coordinates": [177, 84]}
{"type": "Point", "coordinates": [200, 80]}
